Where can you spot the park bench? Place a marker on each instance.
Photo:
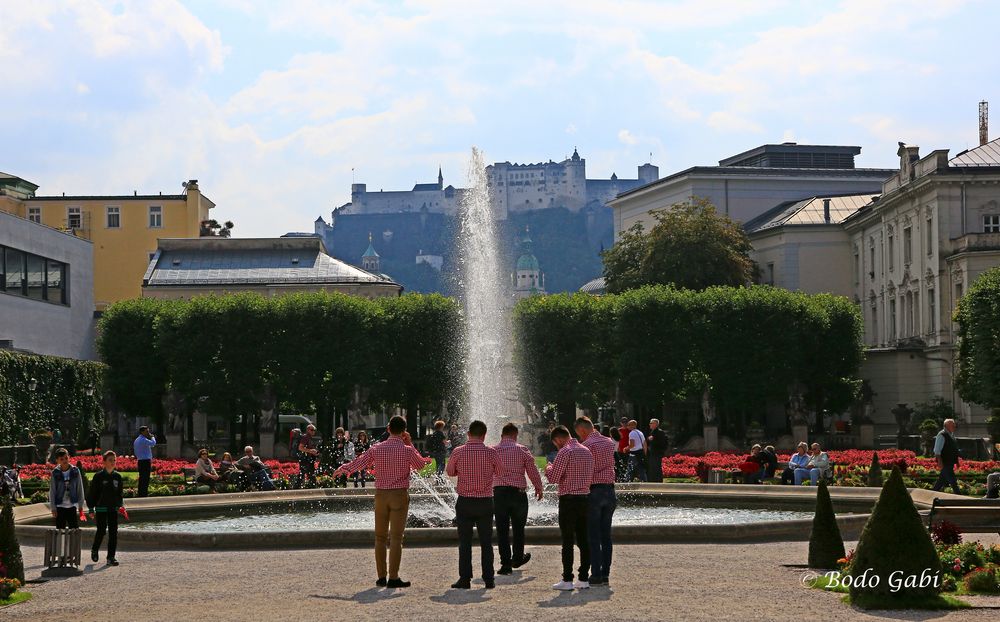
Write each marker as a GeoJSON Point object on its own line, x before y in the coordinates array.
{"type": "Point", "coordinates": [969, 515]}
{"type": "Point", "coordinates": [189, 479]}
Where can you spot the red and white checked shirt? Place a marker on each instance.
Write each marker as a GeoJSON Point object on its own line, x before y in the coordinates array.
{"type": "Point", "coordinates": [516, 460]}
{"type": "Point", "coordinates": [476, 465]}
{"type": "Point", "coordinates": [603, 449]}
{"type": "Point", "coordinates": [392, 460]}
{"type": "Point", "coordinates": [572, 470]}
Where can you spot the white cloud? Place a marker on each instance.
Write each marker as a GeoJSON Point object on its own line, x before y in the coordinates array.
{"type": "Point", "coordinates": [626, 137]}
{"type": "Point", "coordinates": [82, 88]}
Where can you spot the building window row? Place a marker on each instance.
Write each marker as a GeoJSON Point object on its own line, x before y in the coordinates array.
{"type": "Point", "coordinates": [112, 216]}
{"type": "Point", "coordinates": [32, 276]}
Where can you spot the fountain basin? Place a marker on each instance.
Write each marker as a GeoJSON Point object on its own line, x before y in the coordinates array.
{"type": "Point", "coordinates": [33, 521]}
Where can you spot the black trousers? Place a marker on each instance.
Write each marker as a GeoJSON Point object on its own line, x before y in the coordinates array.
{"type": "Point", "coordinates": [68, 518]}
{"type": "Point", "coordinates": [107, 522]}
{"type": "Point", "coordinates": [474, 512]}
{"type": "Point", "coordinates": [947, 477]}
{"type": "Point", "coordinates": [573, 528]}
{"type": "Point", "coordinates": [145, 467]}
{"type": "Point", "coordinates": [510, 506]}
{"type": "Point", "coordinates": [654, 464]}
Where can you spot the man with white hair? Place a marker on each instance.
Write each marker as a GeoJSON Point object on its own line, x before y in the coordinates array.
{"type": "Point", "coordinates": [254, 470]}
{"type": "Point", "coordinates": [946, 451]}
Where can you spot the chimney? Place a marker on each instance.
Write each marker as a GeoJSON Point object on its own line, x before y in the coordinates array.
{"type": "Point", "coordinates": [826, 211]}
{"type": "Point", "coordinates": [984, 122]}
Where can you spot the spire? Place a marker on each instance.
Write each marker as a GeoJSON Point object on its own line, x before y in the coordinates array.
{"type": "Point", "coordinates": [370, 260]}
{"type": "Point", "coordinates": [576, 155]}
{"type": "Point", "coordinates": [440, 178]}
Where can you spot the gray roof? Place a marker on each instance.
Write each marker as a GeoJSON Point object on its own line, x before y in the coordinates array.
{"type": "Point", "coordinates": [809, 211]}
{"type": "Point", "coordinates": [983, 155]}
{"type": "Point", "coordinates": [595, 286]}
{"type": "Point", "coordinates": [241, 261]}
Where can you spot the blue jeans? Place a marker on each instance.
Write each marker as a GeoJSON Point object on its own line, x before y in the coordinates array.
{"type": "Point", "coordinates": [440, 460]}
{"type": "Point", "coordinates": [601, 504]}
{"type": "Point", "coordinates": [263, 481]}
{"type": "Point", "coordinates": [550, 457]}
{"type": "Point", "coordinates": [802, 473]}
{"type": "Point", "coordinates": [635, 467]}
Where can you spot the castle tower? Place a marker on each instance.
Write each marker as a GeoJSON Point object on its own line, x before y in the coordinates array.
{"type": "Point", "coordinates": [440, 179]}
{"type": "Point", "coordinates": [370, 260]}
{"type": "Point", "coordinates": [528, 277]}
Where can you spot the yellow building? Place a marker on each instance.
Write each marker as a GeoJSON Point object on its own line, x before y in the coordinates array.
{"type": "Point", "coordinates": [124, 229]}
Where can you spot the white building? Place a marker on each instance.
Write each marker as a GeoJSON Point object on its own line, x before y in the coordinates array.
{"type": "Point", "coordinates": [746, 185]}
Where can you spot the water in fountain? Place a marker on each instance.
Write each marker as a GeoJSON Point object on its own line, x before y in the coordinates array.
{"type": "Point", "coordinates": [424, 483]}
{"type": "Point", "coordinates": [487, 335]}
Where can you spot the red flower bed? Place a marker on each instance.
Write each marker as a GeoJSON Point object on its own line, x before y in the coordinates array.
{"type": "Point", "coordinates": [93, 464]}
{"type": "Point", "coordinates": [685, 465]}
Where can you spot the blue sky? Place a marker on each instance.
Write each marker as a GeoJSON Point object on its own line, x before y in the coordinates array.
{"type": "Point", "coordinates": [271, 104]}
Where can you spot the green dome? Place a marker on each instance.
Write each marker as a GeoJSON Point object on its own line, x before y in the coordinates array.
{"type": "Point", "coordinates": [527, 262]}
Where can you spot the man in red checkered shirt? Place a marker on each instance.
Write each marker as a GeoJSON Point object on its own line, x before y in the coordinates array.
{"type": "Point", "coordinates": [510, 501]}
{"type": "Point", "coordinates": [601, 502]}
{"type": "Point", "coordinates": [572, 471]}
{"type": "Point", "coordinates": [475, 465]}
{"type": "Point", "coordinates": [392, 459]}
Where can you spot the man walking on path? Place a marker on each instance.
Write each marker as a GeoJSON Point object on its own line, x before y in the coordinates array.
{"type": "Point", "coordinates": [572, 471]}
{"type": "Point", "coordinates": [475, 465]}
{"type": "Point", "coordinates": [636, 452]}
{"type": "Point", "coordinates": [946, 452]}
{"type": "Point", "coordinates": [142, 447]}
{"type": "Point", "coordinates": [657, 443]}
{"type": "Point", "coordinates": [601, 502]}
{"type": "Point", "coordinates": [393, 459]}
{"type": "Point", "coordinates": [510, 500]}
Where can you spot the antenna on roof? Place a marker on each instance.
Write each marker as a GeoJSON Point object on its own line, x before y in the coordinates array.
{"type": "Point", "coordinates": [984, 122]}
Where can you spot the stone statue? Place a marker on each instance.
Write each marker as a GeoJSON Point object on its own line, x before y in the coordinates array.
{"type": "Point", "coordinates": [110, 411]}
{"type": "Point", "coordinates": [903, 413]}
{"type": "Point", "coordinates": [707, 406]}
{"type": "Point", "coordinates": [267, 401]}
{"type": "Point", "coordinates": [174, 405]}
{"type": "Point", "coordinates": [797, 408]}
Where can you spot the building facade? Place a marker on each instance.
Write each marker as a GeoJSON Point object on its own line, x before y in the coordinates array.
{"type": "Point", "coordinates": [512, 187]}
{"type": "Point", "coordinates": [124, 229]}
{"type": "Point", "coordinates": [746, 185]}
{"type": "Point", "coordinates": [184, 268]}
{"type": "Point", "coordinates": [46, 290]}
{"type": "Point", "coordinates": [528, 278]}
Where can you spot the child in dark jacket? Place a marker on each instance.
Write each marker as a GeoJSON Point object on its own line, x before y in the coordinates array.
{"type": "Point", "coordinates": [104, 499]}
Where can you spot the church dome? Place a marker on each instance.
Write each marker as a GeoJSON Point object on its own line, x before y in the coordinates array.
{"type": "Point", "coordinates": [527, 262]}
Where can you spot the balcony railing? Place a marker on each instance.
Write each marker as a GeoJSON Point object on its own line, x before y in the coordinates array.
{"type": "Point", "coordinates": [78, 226]}
{"type": "Point", "coordinates": [976, 242]}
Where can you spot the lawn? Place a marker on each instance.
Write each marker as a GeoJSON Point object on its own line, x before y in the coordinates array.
{"type": "Point", "coordinates": [18, 597]}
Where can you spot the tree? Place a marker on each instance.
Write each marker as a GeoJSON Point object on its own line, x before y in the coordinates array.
{"type": "Point", "coordinates": [691, 246]}
{"type": "Point", "coordinates": [826, 546]}
{"type": "Point", "coordinates": [894, 543]}
{"type": "Point", "coordinates": [563, 351]}
{"type": "Point", "coordinates": [10, 550]}
{"type": "Point", "coordinates": [978, 317]}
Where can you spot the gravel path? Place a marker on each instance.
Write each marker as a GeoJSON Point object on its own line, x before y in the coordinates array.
{"type": "Point", "coordinates": [650, 582]}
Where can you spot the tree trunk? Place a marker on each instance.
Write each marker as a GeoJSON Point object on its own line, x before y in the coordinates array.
{"type": "Point", "coordinates": [567, 413]}
{"type": "Point", "coordinates": [411, 418]}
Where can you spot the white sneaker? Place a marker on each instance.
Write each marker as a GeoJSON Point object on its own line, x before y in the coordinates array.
{"type": "Point", "coordinates": [564, 586]}
{"type": "Point", "coordinates": [581, 585]}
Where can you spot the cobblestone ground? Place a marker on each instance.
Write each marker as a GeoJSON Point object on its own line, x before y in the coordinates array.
{"type": "Point", "coordinates": [650, 582]}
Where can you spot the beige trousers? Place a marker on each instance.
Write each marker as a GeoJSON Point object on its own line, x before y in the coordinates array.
{"type": "Point", "coordinates": [391, 509]}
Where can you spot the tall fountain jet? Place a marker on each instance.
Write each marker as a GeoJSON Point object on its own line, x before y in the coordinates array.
{"type": "Point", "coordinates": [487, 332]}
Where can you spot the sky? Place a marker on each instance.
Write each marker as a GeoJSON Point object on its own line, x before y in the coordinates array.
{"type": "Point", "coordinates": [275, 107]}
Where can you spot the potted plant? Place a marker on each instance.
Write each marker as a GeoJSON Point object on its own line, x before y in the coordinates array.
{"type": "Point", "coordinates": [928, 430]}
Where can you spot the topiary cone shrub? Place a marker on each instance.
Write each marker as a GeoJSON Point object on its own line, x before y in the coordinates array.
{"type": "Point", "coordinates": [9, 547]}
{"type": "Point", "coordinates": [826, 545]}
{"type": "Point", "coordinates": [875, 472]}
{"type": "Point", "coordinates": [895, 546]}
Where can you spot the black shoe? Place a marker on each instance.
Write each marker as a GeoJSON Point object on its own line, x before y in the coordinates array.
{"type": "Point", "coordinates": [490, 583]}
{"type": "Point", "coordinates": [504, 569]}
{"type": "Point", "coordinates": [112, 561]}
{"type": "Point", "coordinates": [598, 581]}
{"type": "Point", "coordinates": [524, 560]}
{"type": "Point", "coordinates": [93, 556]}
{"type": "Point", "coordinates": [397, 583]}
{"type": "Point", "coordinates": [380, 582]}
{"type": "Point", "coordinates": [461, 584]}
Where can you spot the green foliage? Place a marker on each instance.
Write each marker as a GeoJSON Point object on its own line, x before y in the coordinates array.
{"type": "Point", "coordinates": [691, 246]}
{"type": "Point", "coordinates": [748, 344]}
{"type": "Point", "coordinates": [894, 540]}
{"type": "Point", "coordinates": [982, 581]}
{"type": "Point", "coordinates": [874, 478]}
{"type": "Point", "coordinates": [826, 546]}
{"type": "Point", "coordinates": [978, 318]}
{"type": "Point", "coordinates": [562, 347]}
{"type": "Point", "coordinates": [59, 400]}
{"type": "Point", "coordinates": [10, 550]}
{"type": "Point", "coordinates": [937, 410]}
{"type": "Point", "coordinates": [137, 374]}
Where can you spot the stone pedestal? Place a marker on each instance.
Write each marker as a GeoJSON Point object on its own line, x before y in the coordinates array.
{"type": "Point", "coordinates": [711, 438]}
{"type": "Point", "coordinates": [175, 444]}
{"type": "Point", "coordinates": [800, 432]}
{"type": "Point", "coordinates": [266, 449]}
{"type": "Point", "coordinates": [866, 436]}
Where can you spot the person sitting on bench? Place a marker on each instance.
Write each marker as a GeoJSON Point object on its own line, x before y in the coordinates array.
{"type": "Point", "coordinates": [204, 470]}
{"type": "Point", "coordinates": [254, 469]}
{"type": "Point", "coordinates": [818, 466]}
{"type": "Point", "coordinates": [798, 460]}
{"type": "Point", "coordinates": [993, 486]}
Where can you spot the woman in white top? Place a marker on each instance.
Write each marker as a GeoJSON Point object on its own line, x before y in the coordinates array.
{"type": "Point", "coordinates": [204, 470]}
